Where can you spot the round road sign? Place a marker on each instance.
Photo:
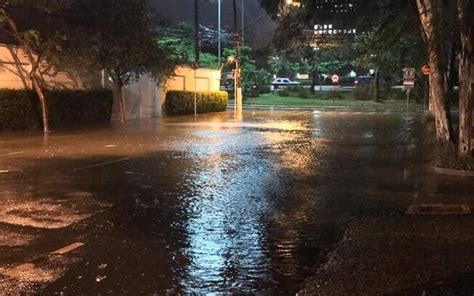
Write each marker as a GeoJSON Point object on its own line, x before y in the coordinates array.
{"type": "Point", "coordinates": [335, 78]}
{"type": "Point", "coordinates": [426, 69]}
{"type": "Point", "coordinates": [408, 73]}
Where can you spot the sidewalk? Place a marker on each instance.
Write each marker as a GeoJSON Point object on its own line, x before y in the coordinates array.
{"type": "Point", "coordinates": [392, 252]}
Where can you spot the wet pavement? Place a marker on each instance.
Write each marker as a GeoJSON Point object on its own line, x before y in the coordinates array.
{"type": "Point", "coordinates": [249, 205]}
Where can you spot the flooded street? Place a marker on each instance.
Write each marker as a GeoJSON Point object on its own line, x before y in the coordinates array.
{"type": "Point", "coordinates": [207, 205]}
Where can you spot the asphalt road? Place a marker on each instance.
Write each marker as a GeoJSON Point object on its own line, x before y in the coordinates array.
{"type": "Point", "coordinates": [185, 205]}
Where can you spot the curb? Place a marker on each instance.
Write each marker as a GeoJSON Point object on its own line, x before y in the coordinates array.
{"type": "Point", "coordinates": [329, 108]}
{"type": "Point", "coordinates": [452, 172]}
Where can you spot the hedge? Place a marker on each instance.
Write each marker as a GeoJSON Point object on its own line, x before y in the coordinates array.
{"type": "Point", "coordinates": [20, 109]}
{"type": "Point", "coordinates": [182, 102]}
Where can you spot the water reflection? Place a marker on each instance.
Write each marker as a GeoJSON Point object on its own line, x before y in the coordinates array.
{"type": "Point", "coordinates": [231, 205]}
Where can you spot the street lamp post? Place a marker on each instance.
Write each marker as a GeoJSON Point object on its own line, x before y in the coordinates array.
{"type": "Point", "coordinates": [242, 21]}
{"type": "Point", "coordinates": [219, 31]}
{"type": "Point", "coordinates": [237, 87]}
{"type": "Point", "coordinates": [196, 54]}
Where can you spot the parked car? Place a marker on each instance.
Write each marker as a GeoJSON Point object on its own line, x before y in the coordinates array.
{"type": "Point", "coordinates": [284, 81]}
{"type": "Point", "coordinates": [363, 80]}
{"type": "Point", "coordinates": [347, 81]}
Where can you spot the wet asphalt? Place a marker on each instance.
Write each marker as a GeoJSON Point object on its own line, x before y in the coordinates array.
{"type": "Point", "coordinates": [213, 204]}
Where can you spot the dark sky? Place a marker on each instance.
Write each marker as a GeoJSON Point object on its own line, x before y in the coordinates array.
{"type": "Point", "coordinates": [258, 25]}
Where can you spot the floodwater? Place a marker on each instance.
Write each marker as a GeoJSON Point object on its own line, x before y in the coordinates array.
{"type": "Point", "coordinates": [207, 205]}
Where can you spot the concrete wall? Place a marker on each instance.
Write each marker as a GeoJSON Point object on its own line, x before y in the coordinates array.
{"type": "Point", "coordinates": [145, 99]}
{"type": "Point", "coordinates": [14, 68]}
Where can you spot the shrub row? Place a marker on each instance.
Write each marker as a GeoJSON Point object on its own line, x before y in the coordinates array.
{"type": "Point", "coordinates": [182, 102]}
{"type": "Point", "coordinates": [20, 109]}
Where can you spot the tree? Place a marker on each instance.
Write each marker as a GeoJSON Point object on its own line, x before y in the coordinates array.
{"type": "Point", "coordinates": [253, 78]}
{"type": "Point", "coordinates": [388, 51]}
{"type": "Point", "coordinates": [466, 75]}
{"type": "Point", "coordinates": [116, 36]}
{"type": "Point", "coordinates": [36, 37]}
{"type": "Point", "coordinates": [435, 27]}
{"type": "Point", "coordinates": [282, 66]}
{"type": "Point", "coordinates": [179, 43]}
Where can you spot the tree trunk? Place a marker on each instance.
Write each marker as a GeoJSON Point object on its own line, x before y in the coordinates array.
{"type": "Point", "coordinates": [37, 87]}
{"type": "Point", "coordinates": [431, 17]}
{"type": "Point", "coordinates": [35, 63]}
{"type": "Point", "coordinates": [118, 99]}
{"type": "Point", "coordinates": [439, 93]}
{"type": "Point", "coordinates": [314, 75]}
{"type": "Point", "coordinates": [377, 86]}
{"type": "Point", "coordinates": [452, 72]}
{"type": "Point", "coordinates": [466, 76]}
{"type": "Point", "coordinates": [44, 109]}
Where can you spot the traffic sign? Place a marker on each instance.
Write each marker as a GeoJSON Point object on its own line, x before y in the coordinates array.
{"type": "Point", "coordinates": [409, 73]}
{"type": "Point", "coordinates": [408, 84]}
{"type": "Point", "coordinates": [408, 78]}
{"type": "Point", "coordinates": [335, 78]}
{"type": "Point", "coordinates": [231, 74]}
{"type": "Point", "coordinates": [426, 69]}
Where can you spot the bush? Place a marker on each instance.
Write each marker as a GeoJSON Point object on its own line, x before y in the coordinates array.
{"type": "Point", "coordinates": [252, 93]}
{"type": "Point", "coordinates": [334, 96]}
{"type": "Point", "coordinates": [283, 93]}
{"type": "Point", "coordinates": [448, 158]}
{"type": "Point", "coordinates": [72, 108]}
{"type": "Point", "coordinates": [303, 93]}
{"type": "Point", "coordinates": [182, 102]}
{"type": "Point", "coordinates": [20, 109]}
{"type": "Point", "coordinates": [362, 93]}
{"type": "Point", "coordinates": [265, 89]}
{"type": "Point", "coordinates": [293, 88]}
{"type": "Point", "coordinates": [395, 94]}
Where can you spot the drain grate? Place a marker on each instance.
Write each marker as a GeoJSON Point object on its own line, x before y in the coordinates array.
{"type": "Point", "coordinates": [437, 209]}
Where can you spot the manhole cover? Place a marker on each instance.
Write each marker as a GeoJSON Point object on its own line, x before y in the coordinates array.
{"type": "Point", "coordinates": [428, 209]}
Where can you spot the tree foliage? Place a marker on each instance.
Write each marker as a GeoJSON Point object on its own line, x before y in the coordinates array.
{"type": "Point", "coordinates": [116, 36]}
{"type": "Point", "coordinates": [179, 43]}
{"type": "Point", "coordinates": [252, 77]}
{"type": "Point", "coordinates": [36, 37]}
{"type": "Point", "coordinates": [390, 33]}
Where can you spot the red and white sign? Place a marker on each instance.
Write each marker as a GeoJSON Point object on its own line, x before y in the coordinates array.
{"type": "Point", "coordinates": [408, 78]}
{"type": "Point", "coordinates": [231, 74]}
{"type": "Point", "coordinates": [409, 73]}
{"type": "Point", "coordinates": [335, 78]}
{"type": "Point", "coordinates": [426, 69]}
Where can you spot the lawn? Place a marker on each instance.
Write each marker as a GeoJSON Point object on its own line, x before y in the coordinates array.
{"type": "Point", "coordinates": [344, 100]}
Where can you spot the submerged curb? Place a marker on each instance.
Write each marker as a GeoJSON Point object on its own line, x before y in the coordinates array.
{"type": "Point", "coordinates": [324, 108]}
{"type": "Point", "coordinates": [452, 172]}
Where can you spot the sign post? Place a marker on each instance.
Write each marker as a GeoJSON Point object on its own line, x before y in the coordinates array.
{"type": "Point", "coordinates": [335, 81]}
{"type": "Point", "coordinates": [426, 71]}
{"type": "Point", "coordinates": [195, 66]}
{"type": "Point", "coordinates": [408, 83]}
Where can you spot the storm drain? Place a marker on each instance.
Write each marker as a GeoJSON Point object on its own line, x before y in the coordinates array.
{"type": "Point", "coordinates": [437, 209]}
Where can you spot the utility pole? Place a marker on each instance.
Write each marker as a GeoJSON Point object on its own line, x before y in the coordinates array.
{"type": "Point", "coordinates": [196, 53]}
{"type": "Point", "coordinates": [242, 21]}
{"type": "Point", "coordinates": [219, 32]}
{"type": "Point", "coordinates": [237, 84]}
{"type": "Point", "coordinates": [196, 32]}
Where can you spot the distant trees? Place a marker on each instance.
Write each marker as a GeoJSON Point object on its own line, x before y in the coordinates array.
{"type": "Point", "coordinates": [179, 43]}
{"type": "Point", "coordinates": [252, 78]}
{"type": "Point", "coordinates": [447, 31]}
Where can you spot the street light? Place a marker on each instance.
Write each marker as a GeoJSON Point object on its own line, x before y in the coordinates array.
{"type": "Point", "coordinates": [238, 88]}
